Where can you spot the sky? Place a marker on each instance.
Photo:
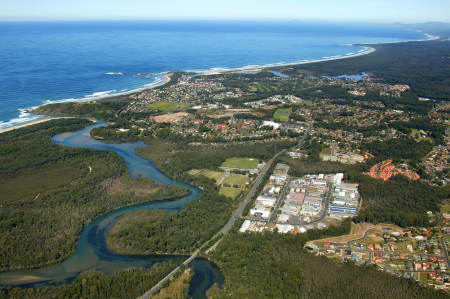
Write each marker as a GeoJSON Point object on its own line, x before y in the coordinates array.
{"type": "Point", "coordinates": [379, 11]}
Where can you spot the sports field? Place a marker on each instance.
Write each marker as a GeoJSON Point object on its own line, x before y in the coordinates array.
{"type": "Point", "coordinates": [282, 114]}
{"type": "Point", "coordinates": [230, 192]}
{"type": "Point", "coordinates": [241, 163]}
{"type": "Point", "coordinates": [166, 106]}
{"type": "Point", "coordinates": [236, 180]}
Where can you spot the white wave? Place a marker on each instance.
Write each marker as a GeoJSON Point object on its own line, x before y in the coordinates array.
{"type": "Point", "coordinates": [24, 117]}
{"type": "Point", "coordinates": [115, 73]}
{"type": "Point", "coordinates": [100, 93]}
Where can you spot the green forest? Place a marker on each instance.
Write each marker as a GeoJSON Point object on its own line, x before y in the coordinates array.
{"type": "Point", "coordinates": [150, 232]}
{"type": "Point", "coordinates": [399, 201]}
{"type": "Point", "coordinates": [128, 283]}
{"type": "Point", "coordinates": [146, 232]}
{"type": "Point", "coordinates": [48, 194]}
{"type": "Point", "coordinates": [272, 265]}
{"type": "Point", "coordinates": [392, 63]}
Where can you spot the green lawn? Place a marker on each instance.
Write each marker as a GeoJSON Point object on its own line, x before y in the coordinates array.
{"type": "Point", "coordinates": [166, 106]}
{"type": "Point", "coordinates": [241, 163]}
{"type": "Point", "coordinates": [282, 114]}
{"type": "Point", "coordinates": [215, 175]}
{"type": "Point", "coordinates": [236, 180]}
{"type": "Point", "coordinates": [230, 192]}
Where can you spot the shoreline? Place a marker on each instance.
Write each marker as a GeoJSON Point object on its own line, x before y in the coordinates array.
{"type": "Point", "coordinates": [27, 124]}
{"type": "Point", "coordinates": [166, 80]}
{"type": "Point", "coordinates": [369, 49]}
{"type": "Point", "coordinates": [39, 121]}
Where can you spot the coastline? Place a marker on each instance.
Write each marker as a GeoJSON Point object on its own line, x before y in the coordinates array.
{"type": "Point", "coordinates": [35, 122]}
{"type": "Point", "coordinates": [167, 79]}
{"type": "Point", "coordinates": [368, 49]}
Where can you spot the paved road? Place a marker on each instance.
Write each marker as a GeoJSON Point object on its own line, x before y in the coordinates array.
{"type": "Point", "coordinates": [159, 285]}
{"type": "Point", "coordinates": [280, 201]}
{"type": "Point", "coordinates": [445, 250]}
{"type": "Point", "coordinates": [235, 216]}
{"type": "Point", "coordinates": [349, 243]}
{"type": "Point", "coordinates": [324, 213]}
{"type": "Point", "coordinates": [327, 203]}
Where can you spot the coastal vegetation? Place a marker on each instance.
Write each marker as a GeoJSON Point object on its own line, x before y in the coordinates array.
{"type": "Point", "coordinates": [48, 193]}
{"type": "Point", "coordinates": [101, 109]}
{"type": "Point", "coordinates": [392, 63]}
{"type": "Point", "coordinates": [128, 283]}
{"type": "Point", "coordinates": [178, 288]}
{"type": "Point", "coordinates": [399, 201]}
{"type": "Point", "coordinates": [146, 232]}
{"type": "Point", "coordinates": [150, 232]}
{"type": "Point", "coordinates": [177, 157]}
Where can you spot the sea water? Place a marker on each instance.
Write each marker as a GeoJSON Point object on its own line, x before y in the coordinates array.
{"type": "Point", "coordinates": [43, 62]}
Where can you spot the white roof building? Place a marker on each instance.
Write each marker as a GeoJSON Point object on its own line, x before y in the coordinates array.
{"type": "Point", "coordinates": [270, 124]}
{"type": "Point", "coordinates": [284, 228]}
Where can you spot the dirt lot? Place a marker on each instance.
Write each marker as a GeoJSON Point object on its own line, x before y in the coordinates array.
{"type": "Point", "coordinates": [170, 118]}
{"type": "Point", "coordinates": [358, 230]}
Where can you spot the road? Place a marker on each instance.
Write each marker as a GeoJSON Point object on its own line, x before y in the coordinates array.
{"type": "Point", "coordinates": [235, 216]}
{"type": "Point", "coordinates": [278, 204]}
{"type": "Point", "coordinates": [280, 201]}
{"type": "Point", "coordinates": [163, 281]}
{"type": "Point", "coordinates": [444, 247]}
{"type": "Point", "coordinates": [327, 203]}
{"type": "Point", "coordinates": [349, 243]}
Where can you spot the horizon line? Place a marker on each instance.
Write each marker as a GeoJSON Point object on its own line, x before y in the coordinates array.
{"type": "Point", "coordinates": [43, 20]}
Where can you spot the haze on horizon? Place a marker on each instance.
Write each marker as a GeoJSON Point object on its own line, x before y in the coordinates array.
{"type": "Point", "coordinates": [380, 11]}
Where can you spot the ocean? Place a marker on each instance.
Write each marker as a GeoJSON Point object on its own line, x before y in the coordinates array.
{"type": "Point", "coordinates": [44, 62]}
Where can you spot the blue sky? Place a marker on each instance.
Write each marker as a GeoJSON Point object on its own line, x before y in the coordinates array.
{"type": "Point", "coordinates": [381, 11]}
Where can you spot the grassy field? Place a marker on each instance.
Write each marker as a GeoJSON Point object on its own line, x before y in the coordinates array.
{"type": "Point", "coordinates": [418, 136]}
{"type": "Point", "coordinates": [236, 180]}
{"type": "Point", "coordinates": [241, 163]}
{"type": "Point", "coordinates": [282, 114]}
{"type": "Point", "coordinates": [214, 175]}
{"type": "Point", "coordinates": [230, 192]}
{"type": "Point", "coordinates": [166, 106]}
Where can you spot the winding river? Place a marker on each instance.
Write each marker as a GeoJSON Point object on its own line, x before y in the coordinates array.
{"type": "Point", "coordinates": [92, 252]}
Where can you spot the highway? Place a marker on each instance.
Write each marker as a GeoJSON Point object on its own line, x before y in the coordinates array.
{"type": "Point", "coordinates": [235, 216]}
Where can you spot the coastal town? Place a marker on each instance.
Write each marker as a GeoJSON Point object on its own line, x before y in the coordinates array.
{"type": "Point", "coordinates": [293, 154]}
{"type": "Point", "coordinates": [225, 149]}
{"type": "Point", "coordinates": [208, 111]}
{"type": "Point", "coordinates": [214, 109]}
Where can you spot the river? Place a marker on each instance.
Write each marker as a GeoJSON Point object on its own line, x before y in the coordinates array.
{"type": "Point", "coordinates": [92, 252]}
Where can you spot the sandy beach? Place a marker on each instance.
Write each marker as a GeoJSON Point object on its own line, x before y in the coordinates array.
{"type": "Point", "coordinates": [29, 124]}
{"type": "Point", "coordinates": [166, 80]}
{"type": "Point", "coordinates": [369, 50]}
